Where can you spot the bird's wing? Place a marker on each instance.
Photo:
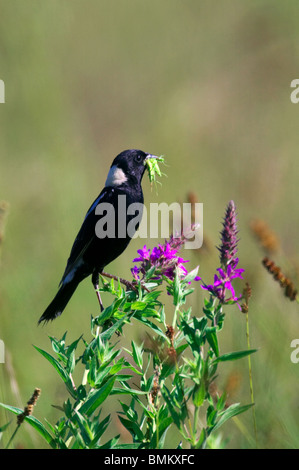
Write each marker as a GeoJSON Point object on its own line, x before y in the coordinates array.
{"type": "Point", "coordinates": [85, 237]}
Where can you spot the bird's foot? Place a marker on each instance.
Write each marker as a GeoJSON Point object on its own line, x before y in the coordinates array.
{"type": "Point", "coordinates": [95, 282]}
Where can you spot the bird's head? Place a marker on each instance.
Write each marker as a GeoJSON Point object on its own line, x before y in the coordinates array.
{"type": "Point", "coordinates": [127, 167]}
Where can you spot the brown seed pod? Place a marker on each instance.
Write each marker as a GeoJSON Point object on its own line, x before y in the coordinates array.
{"type": "Point", "coordinates": [284, 281]}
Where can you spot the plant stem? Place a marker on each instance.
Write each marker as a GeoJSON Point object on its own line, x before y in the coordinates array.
{"type": "Point", "coordinates": [250, 380]}
{"type": "Point", "coordinates": [175, 316]}
{"type": "Point", "coordinates": [13, 435]}
{"type": "Point", "coordinates": [195, 421]}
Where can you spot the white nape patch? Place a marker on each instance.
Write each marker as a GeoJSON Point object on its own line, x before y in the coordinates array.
{"type": "Point", "coordinates": [115, 177]}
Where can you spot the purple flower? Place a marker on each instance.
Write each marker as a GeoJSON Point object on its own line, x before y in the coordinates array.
{"type": "Point", "coordinates": [222, 286]}
{"type": "Point", "coordinates": [156, 253]}
{"type": "Point", "coordinates": [229, 241]}
{"type": "Point", "coordinates": [223, 283]}
{"type": "Point", "coordinates": [164, 258]}
{"type": "Point", "coordinates": [135, 272]}
{"type": "Point", "coordinates": [144, 254]}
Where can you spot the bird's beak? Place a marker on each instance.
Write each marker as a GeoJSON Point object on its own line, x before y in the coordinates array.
{"type": "Point", "coordinates": [149, 156]}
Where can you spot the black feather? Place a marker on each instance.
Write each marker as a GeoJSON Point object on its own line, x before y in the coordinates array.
{"type": "Point", "coordinates": [90, 254]}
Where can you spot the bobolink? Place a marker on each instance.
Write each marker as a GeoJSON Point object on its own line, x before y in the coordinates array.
{"type": "Point", "coordinates": [94, 247]}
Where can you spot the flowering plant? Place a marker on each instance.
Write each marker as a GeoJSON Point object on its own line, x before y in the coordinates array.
{"type": "Point", "coordinates": [228, 271]}
{"type": "Point", "coordinates": [163, 260]}
{"type": "Point", "coordinates": [174, 364]}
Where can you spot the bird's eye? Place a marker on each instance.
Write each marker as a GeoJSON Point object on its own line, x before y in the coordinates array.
{"type": "Point", "coordinates": [138, 158]}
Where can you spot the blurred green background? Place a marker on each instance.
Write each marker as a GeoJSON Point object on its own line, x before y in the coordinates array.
{"type": "Point", "coordinates": [207, 84]}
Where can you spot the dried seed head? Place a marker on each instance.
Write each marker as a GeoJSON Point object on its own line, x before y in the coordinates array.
{"type": "Point", "coordinates": [155, 390]}
{"type": "Point", "coordinates": [29, 407]}
{"type": "Point", "coordinates": [244, 308]}
{"type": "Point", "coordinates": [171, 355]}
{"type": "Point", "coordinates": [283, 280]}
{"type": "Point", "coordinates": [247, 292]}
{"type": "Point", "coordinates": [265, 236]}
{"type": "Point", "coordinates": [170, 333]}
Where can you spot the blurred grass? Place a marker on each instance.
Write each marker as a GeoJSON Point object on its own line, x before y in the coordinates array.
{"type": "Point", "coordinates": [206, 85]}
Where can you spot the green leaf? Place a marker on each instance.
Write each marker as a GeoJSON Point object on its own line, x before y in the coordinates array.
{"type": "Point", "coordinates": [111, 444]}
{"type": "Point", "coordinates": [117, 367]}
{"type": "Point", "coordinates": [97, 397]}
{"type": "Point", "coordinates": [176, 417]}
{"type": "Point", "coordinates": [138, 305]}
{"type": "Point", "coordinates": [106, 314]}
{"type": "Point", "coordinates": [234, 355]}
{"type": "Point", "coordinates": [137, 354]}
{"type": "Point", "coordinates": [177, 293]}
{"type": "Point", "coordinates": [106, 335]}
{"type": "Point", "coordinates": [129, 410]}
{"type": "Point", "coordinates": [201, 443]}
{"type": "Point", "coordinates": [199, 394]}
{"type": "Point", "coordinates": [73, 346]}
{"type": "Point", "coordinates": [34, 422]}
{"type": "Point", "coordinates": [221, 402]}
{"type": "Point", "coordinates": [160, 434]}
{"type": "Point", "coordinates": [211, 335]}
{"type": "Point", "coordinates": [211, 416]}
{"type": "Point", "coordinates": [180, 349]}
{"type": "Point", "coordinates": [230, 412]}
{"type": "Point", "coordinates": [127, 391]}
{"type": "Point", "coordinates": [149, 274]}
{"type": "Point", "coordinates": [71, 362]}
{"type": "Point", "coordinates": [150, 312]}
{"type": "Point", "coordinates": [153, 326]}
{"type": "Point", "coordinates": [162, 318]}
{"type": "Point", "coordinates": [129, 366]}
{"type": "Point", "coordinates": [85, 430]}
{"type": "Point", "coordinates": [190, 276]}
{"type": "Point", "coordinates": [61, 371]}
{"type": "Point", "coordinates": [5, 426]}
{"type": "Point", "coordinates": [101, 428]}
{"type": "Point", "coordinates": [132, 427]}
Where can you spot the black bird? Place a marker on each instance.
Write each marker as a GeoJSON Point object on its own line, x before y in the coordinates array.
{"type": "Point", "coordinates": [90, 253]}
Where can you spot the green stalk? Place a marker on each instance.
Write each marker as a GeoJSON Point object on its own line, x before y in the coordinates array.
{"type": "Point", "coordinates": [175, 315]}
{"type": "Point", "coordinates": [250, 380]}
{"type": "Point", "coordinates": [13, 435]}
{"type": "Point", "coordinates": [195, 421]}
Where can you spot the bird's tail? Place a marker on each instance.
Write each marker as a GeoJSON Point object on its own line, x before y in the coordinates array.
{"type": "Point", "coordinates": [59, 302]}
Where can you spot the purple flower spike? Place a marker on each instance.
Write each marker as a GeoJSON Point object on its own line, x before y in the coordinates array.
{"type": "Point", "coordinates": [164, 258]}
{"type": "Point", "coordinates": [229, 241]}
{"type": "Point", "coordinates": [222, 286]}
